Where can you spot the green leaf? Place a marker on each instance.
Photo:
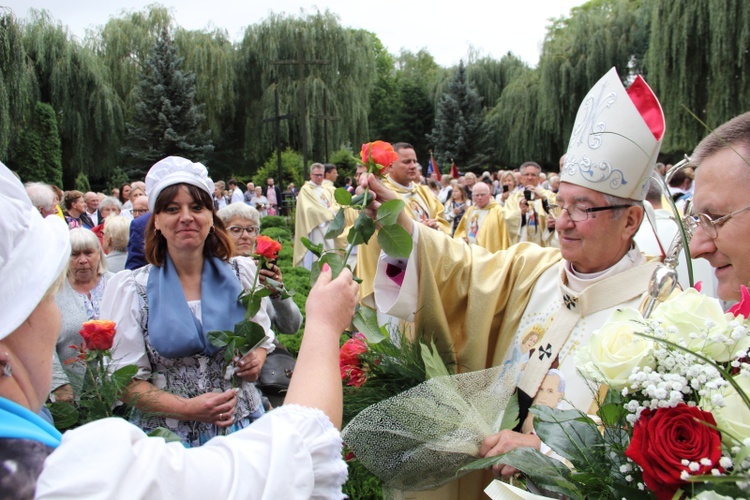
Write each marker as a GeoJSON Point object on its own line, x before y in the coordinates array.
{"type": "Point", "coordinates": [218, 338]}
{"type": "Point", "coordinates": [124, 375]}
{"type": "Point", "coordinates": [253, 305]}
{"type": "Point", "coordinates": [433, 363]}
{"type": "Point", "coordinates": [395, 241]}
{"type": "Point", "coordinates": [612, 414]}
{"type": "Point", "coordinates": [229, 352]}
{"type": "Point", "coordinates": [342, 196]}
{"type": "Point", "coordinates": [362, 230]}
{"type": "Point", "coordinates": [544, 471]}
{"type": "Point", "coordinates": [166, 434]}
{"type": "Point", "coordinates": [337, 225]}
{"type": "Point", "coordinates": [366, 321]}
{"type": "Point", "coordinates": [252, 334]}
{"type": "Point", "coordinates": [64, 414]}
{"type": "Point", "coordinates": [317, 250]}
{"type": "Point", "coordinates": [357, 200]}
{"type": "Point", "coordinates": [334, 261]}
{"type": "Point", "coordinates": [510, 416]}
{"type": "Point", "coordinates": [389, 211]}
{"type": "Point", "coordinates": [570, 433]}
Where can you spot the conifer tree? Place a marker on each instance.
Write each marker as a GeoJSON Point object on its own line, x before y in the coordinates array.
{"type": "Point", "coordinates": [458, 121]}
{"type": "Point", "coordinates": [166, 120]}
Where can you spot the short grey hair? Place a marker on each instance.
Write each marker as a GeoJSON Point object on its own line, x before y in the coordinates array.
{"type": "Point", "coordinates": [612, 200]}
{"type": "Point", "coordinates": [83, 239]}
{"type": "Point", "coordinates": [110, 201]}
{"type": "Point", "coordinates": [241, 210]}
{"type": "Point", "coordinates": [117, 229]}
{"type": "Point", "coordinates": [317, 165]}
{"type": "Point", "coordinates": [42, 196]}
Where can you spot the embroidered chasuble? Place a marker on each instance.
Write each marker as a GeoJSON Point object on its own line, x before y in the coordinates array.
{"type": "Point", "coordinates": [484, 227]}
{"type": "Point", "coordinates": [316, 207]}
{"type": "Point", "coordinates": [532, 227]}
{"type": "Point", "coordinates": [518, 305]}
{"type": "Point", "coordinates": [421, 204]}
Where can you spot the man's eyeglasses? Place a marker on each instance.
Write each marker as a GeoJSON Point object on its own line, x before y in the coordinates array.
{"type": "Point", "coordinates": [578, 213]}
{"type": "Point", "coordinates": [710, 226]}
{"type": "Point", "coordinates": [139, 212]}
{"type": "Point", "coordinates": [237, 230]}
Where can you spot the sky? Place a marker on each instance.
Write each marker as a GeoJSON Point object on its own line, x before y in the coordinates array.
{"type": "Point", "coordinates": [446, 29]}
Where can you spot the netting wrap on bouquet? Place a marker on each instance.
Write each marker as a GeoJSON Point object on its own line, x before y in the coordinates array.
{"type": "Point", "coordinates": [420, 438]}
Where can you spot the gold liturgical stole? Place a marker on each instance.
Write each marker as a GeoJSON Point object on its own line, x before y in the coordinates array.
{"type": "Point", "coordinates": [620, 288]}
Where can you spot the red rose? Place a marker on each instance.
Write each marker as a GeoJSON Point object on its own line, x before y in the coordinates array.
{"type": "Point", "coordinates": [98, 334]}
{"type": "Point", "coordinates": [350, 351]}
{"type": "Point", "coordinates": [742, 308]}
{"type": "Point", "coordinates": [380, 152]}
{"type": "Point", "coordinates": [353, 376]}
{"type": "Point", "coordinates": [267, 247]}
{"type": "Point", "coordinates": [663, 438]}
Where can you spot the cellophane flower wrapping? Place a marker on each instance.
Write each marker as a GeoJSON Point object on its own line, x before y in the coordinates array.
{"type": "Point", "coordinates": [420, 438]}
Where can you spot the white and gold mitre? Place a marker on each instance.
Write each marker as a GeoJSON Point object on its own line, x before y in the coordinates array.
{"type": "Point", "coordinates": [616, 138]}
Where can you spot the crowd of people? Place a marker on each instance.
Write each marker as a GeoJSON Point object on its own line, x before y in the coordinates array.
{"type": "Point", "coordinates": [516, 266]}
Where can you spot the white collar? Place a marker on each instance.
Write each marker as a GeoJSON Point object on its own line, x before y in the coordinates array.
{"type": "Point", "coordinates": [578, 281]}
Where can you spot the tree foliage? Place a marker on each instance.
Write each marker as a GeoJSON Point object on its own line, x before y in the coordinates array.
{"type": "Point", "coordinates": [39, 157]}
{"type": "Point", "coordinates": [457, 123]}
{"type": "Point", "coordinates": [166, 120]}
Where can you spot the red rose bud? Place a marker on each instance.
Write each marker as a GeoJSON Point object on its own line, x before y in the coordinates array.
{"type": "Point", "coordinates": [742, 308]}
{"type": "Point", "coordinates": [379, 152]}
{"type": "Point", "coordinates": [267, 247]}
{"type": "Point", "coordinates": [664, 438]}
{"type": "Point", "coordinates": [98, 334]}
{"type": "Point", "coordinates": [353, 376]}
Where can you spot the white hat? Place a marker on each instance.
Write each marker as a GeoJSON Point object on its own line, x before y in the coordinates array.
{"type": "Point", "coordinates": [175, 170]}
{"type": "Point", "coordinates": [616, 138]}
{"type": "Point", "coordinates": [33, 253]}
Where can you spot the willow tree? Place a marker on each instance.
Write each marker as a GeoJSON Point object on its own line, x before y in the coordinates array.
{"type": "Point", "coordinates": [490, 76]}
{"type": "Point", "coordinates": [580, 49]}
{"type": "Point", "coordinates": [514, 133]}
{"type": "Point", "coordinates": [18, 85]}
{"type": "Point", "coordinates": [345, 79]}
{"type": "Point", "coordinates": [699, 65]}
{"type": "Point", "coordinates": [124, 43]}
{"type": "Point", "coordinates": [75, 83]}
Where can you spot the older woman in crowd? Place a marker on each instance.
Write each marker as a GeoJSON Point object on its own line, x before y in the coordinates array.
{"type": "Point", "coordinates": [108, 206]}
{"type": "Point", "coordinates": [79, 300]}
{"type": "Point", "coordinates": [294, 452]}
{"type": "Point", "coordinates": [506, 179]}
{"type": "Point", "coordinates": [164, 311]}
{"type": "Point", "coordinates": [75, 210]}
{"type": "Point", "coordinates": [243, 225]}
{"type": "Point", "coordinates": [115, 242]}
{"type": "Point", "coordinates": [260, 202]}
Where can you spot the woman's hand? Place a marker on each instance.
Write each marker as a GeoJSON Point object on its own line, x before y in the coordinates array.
{"type": "Point", "coordinates": [214, 407]}
{"type": "Point", "coordinates": [503, 442]}
{"type": "Point", "coordinates": [331, 303]}
{"type": "Point", "coordinates": [248, 368]}
{"type": "Point", "coordinates": [273, 272]}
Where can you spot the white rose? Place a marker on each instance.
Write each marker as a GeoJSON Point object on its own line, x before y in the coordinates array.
{"type": "Point", "coordinates": [688, 312]}
{"type": "Point", "coordinates": [734, 416]}
{"type": "Point", "coordinates": [614, 350]}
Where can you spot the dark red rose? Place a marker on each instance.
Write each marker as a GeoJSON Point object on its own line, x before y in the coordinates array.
{"type": "Point", "coordinates": [663, 438]}
{"type": "Point", "coordinates": [267, 247]}
{"type": "Point", "coordinates": [381, 153]}
{"type": "Point", "coordinates": [98, 334]}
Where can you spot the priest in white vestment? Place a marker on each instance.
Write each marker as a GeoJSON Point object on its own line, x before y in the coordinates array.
{"type": "Point", "coordinates": [479, 307]}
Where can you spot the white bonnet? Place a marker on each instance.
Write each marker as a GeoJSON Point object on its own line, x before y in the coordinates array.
{"type": "Point", "coordinates": [175, 170]}
{"type": "Point", "coordinates": [33, 253]}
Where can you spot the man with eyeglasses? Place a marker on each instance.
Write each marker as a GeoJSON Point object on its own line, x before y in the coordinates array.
{"type": "Point", "coordinates": [720, 216]}
{"type": "Point", "coordinates": [479, 306]}
{"type": "Point", "coordinates": [315, 210]}
{"type": "Point", "coordinates": [524, 213]}
{"type": "Point", "coordinates": [483, 222]}
{"type": "Point", "coordinates": [136, 241]}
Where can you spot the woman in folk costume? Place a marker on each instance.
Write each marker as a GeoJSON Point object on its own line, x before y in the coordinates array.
{"type": "Point", "coordinates": [477, 305]}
